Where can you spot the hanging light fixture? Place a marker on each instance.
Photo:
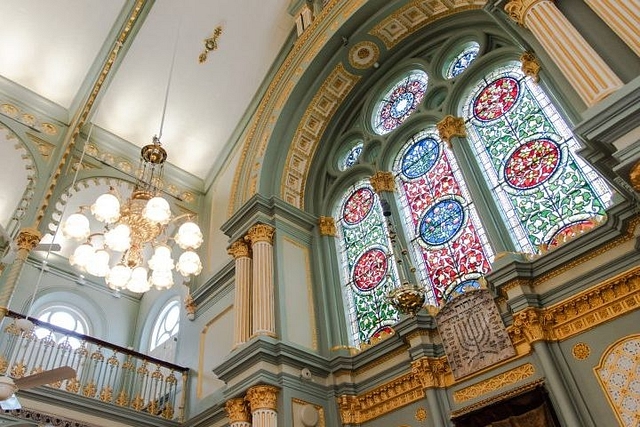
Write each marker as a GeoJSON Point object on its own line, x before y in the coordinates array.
{"type": "Point", "coordinates": [134, 250]}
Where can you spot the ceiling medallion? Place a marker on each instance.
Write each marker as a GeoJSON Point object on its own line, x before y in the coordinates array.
{"type": "Point", "coordinates": [210, 44]}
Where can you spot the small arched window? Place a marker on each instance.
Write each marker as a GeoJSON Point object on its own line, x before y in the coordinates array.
{"type": "Point", "coordinates": [65, 317]}
{"type": "Point", "coordinates": [166, 326]}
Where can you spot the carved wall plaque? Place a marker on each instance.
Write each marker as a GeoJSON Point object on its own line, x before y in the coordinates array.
{"type": "Point", "coordinates": [473, 334]}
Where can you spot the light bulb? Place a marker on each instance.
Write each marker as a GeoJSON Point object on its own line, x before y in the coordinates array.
{"type": "Point", "coordinates": [161, 259]}
{"type": "Point", "coordinates": [119, 238]}
{"type": "Point", "coordinates": [82, 256]}
{"type": "Point", "coordinates": [76, 227]}
{"type": "Point", "coordinates": [162, 279]}
{"type": "Point", "coordinates": [106, 208]}
{"type": "Point", "coordinates": [189, 263]}
{"type": "Point", "coordinates": [138, 282]}
{"type": "Point", "coordinates": [189, 236]}
{"type": "Point", "coordinates": [118, 277]}
{"type": "Point", "coordinates": [98, 264]}
{"type": "Point", "coordinates": [157, 210]}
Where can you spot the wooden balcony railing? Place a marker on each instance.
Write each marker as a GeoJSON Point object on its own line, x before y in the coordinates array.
{"type": "Point", "coordinates": [104, 371]}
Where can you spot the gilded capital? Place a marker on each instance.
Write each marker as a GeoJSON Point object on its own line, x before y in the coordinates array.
{"type": "Point", "coordinates": [431, 372]}
{"type": "Point", "coordinates": [449, 127]}
{"type": "Point", "coordinates": [190, 306]}
{"type": "Point", "coordinates": [237, 410]}
{"type": "Point", "coordinates": [530, 65]}
{"type": "Point", "coordinates": [350, 408]}
{"type": "Point", "coordinates": [534, 324]}
{"type": "Point", "coordinates": [239, 249]}
{"type": "Point", "coordinates": [383, 181]}
{"type": "Point", "coordinates": [327, 226]}
{"type": "Point", "coordinates": [518, 9]}
{"type": "Point", "coordinates": [261, 233]}
{"type": "Point", "coordinates": [634, 176]}
{"type": "Point", "coordinates": [262, 397]}
{"type": "Point", "coordinates": [28, 238]}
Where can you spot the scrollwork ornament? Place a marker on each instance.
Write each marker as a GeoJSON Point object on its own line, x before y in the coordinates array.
{"type": "Point", "coordinates": [239, 249]}
{"type": "Point", "coordinates": [327, 226]}
{"type": "Point", "coordinates": [581, 351]}
{"type": "Point", "coordinates": [261, 233]}
{"type": "Point", "coordinates": [634, 176]}
{"type": "Point", "coordinates": [530, 65]}
{"type": "Point", "coordinates": [262, 397]}
{"type": "Point", "coordinates": [518, 9]}
{"type": "Point", "coordinates": [534, 324]}
{"type": "Point", "coordinates": [449, 127]}
{"type": "Point", "coordinates": [28, 238]}
{"type": "Point", "coordinates": [237, 410]}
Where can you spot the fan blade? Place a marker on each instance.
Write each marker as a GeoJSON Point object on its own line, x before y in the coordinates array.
{"type": "Point", "coordinates": [46, 377]}
{"type": "Point", "coordinates": [10, 404]}
{"type": "Point", "coordinates": [47, 247]}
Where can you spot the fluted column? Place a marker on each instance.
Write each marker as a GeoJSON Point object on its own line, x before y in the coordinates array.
{"type": "Point", "coordinates": [263, 301]}
{"type": "Point", "coordinates": [263, 401]}
{"type": "Point", "coordinates": [238, 412]}
{"type": "Point", "coordinates": [28, 238]}
{"type": "Point", "coordinates": [589, 75]}
{"type": "Point", "coordinates": [240, 251]}
{"type": "Point", "coordinates": [623, 17]}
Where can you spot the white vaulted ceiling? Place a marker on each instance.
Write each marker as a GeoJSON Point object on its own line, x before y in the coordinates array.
{"type": "Point", "coordinates": [56, 49]}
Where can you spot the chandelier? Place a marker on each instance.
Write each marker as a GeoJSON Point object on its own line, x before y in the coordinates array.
{"type": "Point", "coordinates": [134, 250]}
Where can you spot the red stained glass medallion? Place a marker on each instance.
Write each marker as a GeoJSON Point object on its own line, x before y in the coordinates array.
{"type": "Point", "coordinates": [496, 99]}
{"type": "Point", "coordinates": [532, 164]}
{"type": "Point", "coordinates": [358, 206]}
{"type": "Point", "coordinates": [370, 269]}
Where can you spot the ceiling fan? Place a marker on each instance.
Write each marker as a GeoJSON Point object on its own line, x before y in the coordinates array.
{"type": "Point", "coordinates": [8, 385]}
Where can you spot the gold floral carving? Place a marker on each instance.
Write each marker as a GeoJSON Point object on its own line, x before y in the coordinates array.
{"type": "Point", "coordinates": [262, 397]}
{"type": "Point", "coordinates": [363, 54]}
{"type": "Point", "coordinates": [449, 127]}
{"type": "Point", "coordinates": [634, 176]}
{"type": "Point", "coordinates": [498, 398]}
{"type": "Point", "coordinates": [496, 382]}
{"type": "Point", "coordinates": [28, 238]}
{"type": "Point", "coordinates": [238, 410]}
{"type": "Point", "coordinates": [396, 394]}
{"type": "Point", "coordinates": [581, 351]}
{"type": "Point", "coordinates": [383, 181]}
{"type": "Point", "coordinates": [530, 65]}
{"type": "Point", "coordinates": [239, 249]}
{"type": "Point", "coordinates": [518, 9]}
{"type": "Point", "coordinates": [327, 226]}
{"type": "Point", "coordinates": [421, 414]}
{"type": "Point", "coordinates": [261, 233]}
{"type": "Point", "coordinates": [532, 323]}
{"type": "Point", "coordinates": [431, 372]}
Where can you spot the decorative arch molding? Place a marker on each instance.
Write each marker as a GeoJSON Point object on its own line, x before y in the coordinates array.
{"type": "Point", "coordinates": [398, 25]}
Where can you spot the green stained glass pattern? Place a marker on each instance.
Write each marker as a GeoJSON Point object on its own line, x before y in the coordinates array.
{"type": "Point", "coordinates": [528, 157]}
{"type": "Point", "coordinates": [366, 273]}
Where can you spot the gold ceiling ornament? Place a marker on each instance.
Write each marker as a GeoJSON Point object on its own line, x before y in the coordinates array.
{"type": "Point", "coordinates": [383, 181]}
{"type": "Point", "coordinates": [327, 226]}
{"type": "Point", "coordinates": [530, 65]}
{"type": "Point", "coordinates": [210, 44]}
{"type": "Point", "coordinates": [634, 176]}
{"type": "Point", "coordinates": [449, 127]}
{"type": "Point", "coordinates": [238, 410]}
{"type": "Point", "coordinates": [263, 397]}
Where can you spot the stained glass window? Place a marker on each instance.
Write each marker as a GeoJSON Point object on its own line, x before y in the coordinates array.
{"type": "Point", "coordinates": [442, 224]}
{"type": "Point", "coordinates": [366, 272]}
{"type": "Point", "coordinates": [528, 156]}
{"type": "Point", "coordinates": [399, 102]}
{"type": "Point", "coordinates": [462, 60]}
{"type": "Point", "coordinates": [351, 157]}
{"type": "Point", "coordinates": [167, 325]}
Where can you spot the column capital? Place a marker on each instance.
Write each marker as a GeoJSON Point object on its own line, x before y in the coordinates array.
{"type": "Point", "coordinates": [534, 324]}
{"type": "Point", "coordinates": [237, 410]}
{"type": "Point", "coordinates": [261, 233]}
{"type": "Point", "coordinates": [431, 372]}
{"type": "Point", "coordinates": [518, 9]}
{"type": "Point", "coordinates": [634, 176]}
{"type": "Point", "coordinates": [28, 238]}
{"type": "Point", "coordinates": [530, 65]}
{"type": "Point", "coordinates": [239, 249]}
{"type": "Point", "coordinates": [383, 181]}
{"type": "Point", "coordinates": [263, 397]}
{"type": "Point", "coordinates": [327, 226]}
{"type": "Point", "coordinates": [449, 127]}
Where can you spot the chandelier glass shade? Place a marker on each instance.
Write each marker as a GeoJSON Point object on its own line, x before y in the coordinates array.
{"type": "Point", "coordinates": [133, 250]}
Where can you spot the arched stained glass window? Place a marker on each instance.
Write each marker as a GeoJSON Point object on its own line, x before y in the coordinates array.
{"type": "Point", "coordinates": [397, 104]}
{"type": "Point", "coordinates": [462, 60]}
{"type": "Point", "coordinates": [441, 221]}
{"type": "Point", "coordinates": [527, 154]}
{"type": "Point", "coordinates": [351, 157]}
{"type": "Point", "coordinates": [367, 274]}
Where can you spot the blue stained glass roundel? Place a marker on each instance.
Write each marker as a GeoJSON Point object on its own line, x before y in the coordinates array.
{"type": "Point", "coordinates": [462, 60]}
{"type": "Point", "coordinates": [441, 222]}
{"type": "Point", "coordinates": [420, 157]}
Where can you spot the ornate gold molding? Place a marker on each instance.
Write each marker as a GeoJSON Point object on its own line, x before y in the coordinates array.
{"type": "Point", "coordinates": [532, 323]}
{"type": "Point", "coordinates": [190, 306]}
{"type": "Point", "coordinates": [581, 351]}
{"type": "Point", "coordinates": [518, 9]}
{"type": "Point", "coordinates": [260, 233]}
{"type": "Point", "coordinates": [327, 226]}
{"type": "Point", "coordinates": [28, 238]}
{"type": "Point", "coordinates": [262, 397]}
{"type": "Point", "coordinates": [381, 400]}
{"type": "Point", "coordinates": [494, 383]}
{"type": "Point", "coordinates": [432, 373]}
{"type": "Point", "coordinates": [634, 176]}
{"type": "Point", "coordinates": [364, 54]}
{"type": "Point", "coordinates": [502, 396]}
{"type": "Point", "coordinates": [449, 127]}
{"type": "Point", "coordinates": [238, 410]}
{"type": "Point", "coordinates": [239, 249]}
{"type": "Point", "coordinates": [530, 65]}
{"type": "Point", "coordinates": [383, 181]}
